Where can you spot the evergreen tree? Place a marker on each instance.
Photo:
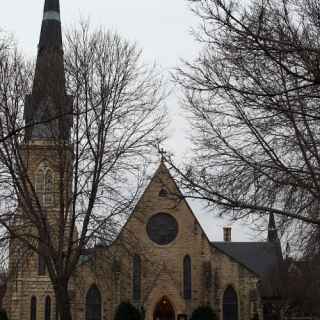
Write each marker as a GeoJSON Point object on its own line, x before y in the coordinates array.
{"type": "Point", "coordinates": [126, 311]}
{"type": "Point", "coordinates": [3, 315]}
{"type": "Point", "coordinates": [204, 313]}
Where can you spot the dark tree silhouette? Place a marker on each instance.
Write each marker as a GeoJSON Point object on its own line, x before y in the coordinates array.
{"type": "Point", "coordinates": [94, 152]}
{"type": "Point", "coordinates": [127, 311]}
{"type": "Point", "coordinates": [204, 313]}
{"type": "Point", "coordinates": [252, 97]}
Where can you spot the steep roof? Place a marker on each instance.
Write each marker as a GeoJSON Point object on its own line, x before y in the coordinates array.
{"type": "Point", "coordinates": [51, 35]}
{"type": "Point", "coordinates": [162, 172]}
{"type": "Point", "coordinates": [259, 257]}
{"type": "Point", "coordinates": [263, 258]}
{"type": "Point", "coordinates": [48, 110]}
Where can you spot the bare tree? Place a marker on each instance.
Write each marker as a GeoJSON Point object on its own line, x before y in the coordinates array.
{"type": "Point", "coordinates": [14, 82]}
{"type": "Point", "coordinates": [77, 170]}
{"type": "Point", "coordinates": [252, 98]}
{"type": "Point", "coordinates": [297, 290]}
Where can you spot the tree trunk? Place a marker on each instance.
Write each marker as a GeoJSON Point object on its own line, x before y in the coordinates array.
{"type": "Point", "coordinates": [63, 306]}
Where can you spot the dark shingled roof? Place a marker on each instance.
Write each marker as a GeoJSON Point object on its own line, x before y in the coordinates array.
{"type": "Point", "coordinates": [263, 258]}
{"type": "Point", "coordinates": [259, 257]}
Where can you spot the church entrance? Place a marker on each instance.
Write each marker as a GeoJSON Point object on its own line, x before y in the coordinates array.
{"type": "Point", "coordinates": [164, 310]}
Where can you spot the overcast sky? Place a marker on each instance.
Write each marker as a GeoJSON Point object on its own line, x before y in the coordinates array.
{"type": "Point", "coordinates": [160, 27]}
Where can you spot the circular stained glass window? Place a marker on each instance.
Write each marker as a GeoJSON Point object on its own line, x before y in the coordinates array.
{"type": "Point", "coordinates": [162, 228]}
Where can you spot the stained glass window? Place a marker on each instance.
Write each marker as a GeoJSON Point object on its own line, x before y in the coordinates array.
{"type": "Point", "coordinates": [47, 309]}
{"type": "Point", "coordinates": [162, 228]}
{"type": "Point", "coordinates": [230, 304]}
{"type": "Point", "coordinates": [187, 278]}
{"type": "Point", "coordinates": [93, 304]}
{"type": "Point", "coordinates": [33, 308]}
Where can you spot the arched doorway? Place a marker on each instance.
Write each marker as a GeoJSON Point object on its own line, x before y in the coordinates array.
{"type": "Point", "coordinates": [230, 304]}
{"type": "Point", "coordinates": [164, 310]}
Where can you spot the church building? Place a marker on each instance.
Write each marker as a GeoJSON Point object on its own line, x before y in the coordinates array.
{"type": "Point", "coordinates": [162, 261]}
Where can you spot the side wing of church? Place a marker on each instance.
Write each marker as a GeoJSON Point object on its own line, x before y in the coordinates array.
{"type": "Point", "coordinates": [162, 261]}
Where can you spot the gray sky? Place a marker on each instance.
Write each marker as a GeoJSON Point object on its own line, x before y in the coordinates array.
{"type": "Point", "coordinates": [160, 27]}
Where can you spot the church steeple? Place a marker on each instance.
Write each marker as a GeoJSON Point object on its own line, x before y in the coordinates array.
{"type": "Point", "coordinates": [51, 36]}
{"type": "Point", "coordinates": [48, 108]}
{"type": "Point", "coordinates": [272, 230]}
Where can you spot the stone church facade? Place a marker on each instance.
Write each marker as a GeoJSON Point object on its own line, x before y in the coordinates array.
{"type": "Point", "coordinates": [163, 257]}
{"type": "Point", "coordinates": [162, 261]}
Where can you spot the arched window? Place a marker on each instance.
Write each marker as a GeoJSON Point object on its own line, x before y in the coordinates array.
{"type": "Point", "coordinates": [187, 278]}
{"type": "Point", "coordinates": [33, 308]}
{"type": "Point", "coordinates": [93, 304]}
{"type": "Point", "coordinates": [47, 309]}
{"type": "Point", "coordinates": [44, 185]}
{"type": "Point", "coordinates": [230, 304]}
{"type": "Point", "coordinates": [136, 278]}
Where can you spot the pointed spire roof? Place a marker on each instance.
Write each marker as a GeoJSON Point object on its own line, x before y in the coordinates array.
{"type": "Point", "coordinates": [48, 106]}
{"type": "Point", "coordinates": [51, 35]}
{"type": "Point", "coordinates": [272, 229]}
{"type": "Point", "coordinates": [49, 79]}
{"type": "Point", "coordinates": [52, 5]}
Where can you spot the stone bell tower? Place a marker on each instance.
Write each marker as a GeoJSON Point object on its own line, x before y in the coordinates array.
{"type": "Point", "coordinates": [47, 157]}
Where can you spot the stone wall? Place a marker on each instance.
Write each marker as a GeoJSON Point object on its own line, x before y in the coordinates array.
{"type": "Point", "coordinates": [162, 266]}
{"type": "Point", "coordinates": [110, 269]}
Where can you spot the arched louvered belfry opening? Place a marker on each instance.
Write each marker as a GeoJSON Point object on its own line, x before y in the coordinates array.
{"type": "Point", "coordinates": [44, 185]}
{"type": "Point", "coordinates": [47, 308]}
{"type": "Point", "coordinates": [33, 308]}
{"type": "Point", "coordinates": [136, 278]}
{"type": "Point", "coordinates": [187, 278]}
{"type": "Point", "coordinates": [93, 304]}
{"type": "Point", "coordinates": [230, 304]}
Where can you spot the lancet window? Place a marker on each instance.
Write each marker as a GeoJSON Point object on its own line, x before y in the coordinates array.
{"type": "Point", "coordinates": [93, 304]}
{"type": "Point", "coordinates": [33, 308]}
{"type": "Point", "coordinates": [44, 185]}
{"type": "Point", "coordinates": [187, 278]}
{"type": "Point", "coordinates": [47, 308]}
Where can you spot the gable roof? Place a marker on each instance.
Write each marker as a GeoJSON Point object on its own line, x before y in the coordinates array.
{"type": "Point", "coordinates": [259, 257]}
{"type": "Point", "coordinates": [161, 172]}
{"type": "Point", "coordinates": [263, 258]}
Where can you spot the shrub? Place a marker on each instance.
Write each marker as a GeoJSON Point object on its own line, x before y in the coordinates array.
{"type": "Point", "coordinates": [204, 313]}
{"type": "Point", "coordinates": [126, 311]}
{"type": "Point", "coordinates": [255, 317]}
{"type": "Point", "coordinates": [3, 315]}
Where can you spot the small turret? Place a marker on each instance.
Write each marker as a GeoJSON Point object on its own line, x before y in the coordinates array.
{"type": "Point", "coordinates": [272, 230]}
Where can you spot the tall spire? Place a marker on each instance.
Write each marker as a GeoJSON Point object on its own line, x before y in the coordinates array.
{"type": "Point", "coordinates": [52, 5]}
{"type": "Point", "coordinates": [272, 230]}
{"type": "Point", "coordinates": [51, 36]}
{"type": "Point", "coordinates": [49, 68]}
{"type": "Point", "coordinates": [48, 107]}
